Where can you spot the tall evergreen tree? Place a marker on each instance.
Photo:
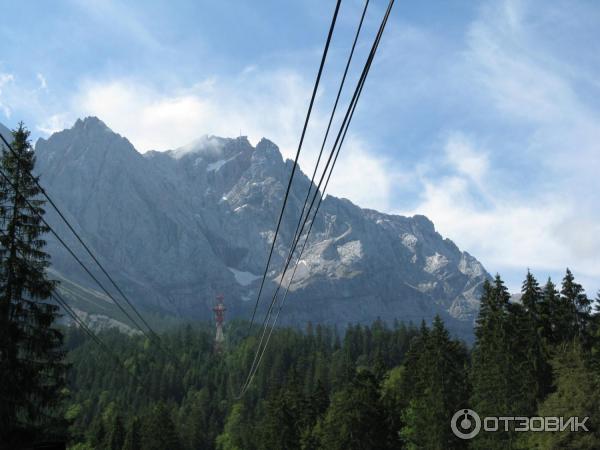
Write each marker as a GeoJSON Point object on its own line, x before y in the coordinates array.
{"type": "Point", "coordinates": [529, 330]}
{"type": "Point", "coordinates": [132, 436]}
{"type": "Point", "coordinates": [116, 434]}
{"type": "Point", "coordinates": [501, 379]}
{"type": "Point", "coordinates": [549, 313]}
{"type": "Point", "coordinates": [283, 421]}
{"type": "Point", "coordinates": [439, 387]}
{"type": "Point", "coordinates": [577, 308]}
{"type": "Point", "coordinates": [531, 295]}
{"type": "Point", "coordinates": [31, 360]}
{"type": "Point", "coordinates": [577, 395]}
{"type": "Point", "coordinates": [158, 430]}
{"type": "Point", "coordinates": [355, 418]}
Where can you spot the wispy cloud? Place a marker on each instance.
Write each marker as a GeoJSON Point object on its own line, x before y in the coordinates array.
{"type": "Point", "coordinates": [5, 78]}
{"type": "Point", "coordinates": [544, 214]}
{"type": "Point", "coordinates": [487, 121]}
{"type": "Point", "coordinates": [364, 177]}
{"type": "Point", "coordinates": [42, 80]}
{"type": "Point", "coordinates": [257, 105]}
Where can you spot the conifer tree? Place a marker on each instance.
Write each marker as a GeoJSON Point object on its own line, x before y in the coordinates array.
{"type": "Point", "coordinates": [116, 434]}
{"type": "Point", "coordinates": [549, 313]}
{"type": "Point", "coordinates": [31, 360]}
{"type": "Point", "coordinates": [354, 419]}
{"type": "Point", "coordinates": [499, 383]}
{"type": "Point", "coordinates": [132, 436]}
{"type": "Point", "coordinates": [158, 430]}
{"type": "Point", "coordinates": [282, 424]}
{"type": "Point", "coordinates": [576, 308]}
{"type": "Point", "coordinates": [531, 295]}
{"type": "Point", "coordinates": [439, 387]}
{"type": "Point", "coordinates": [527, 322]}
{"type": "Point", "coordinates": [577, 395]}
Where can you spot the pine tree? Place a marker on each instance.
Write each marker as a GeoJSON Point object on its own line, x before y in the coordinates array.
{"type": "Point", "coordinates": [549, 312]}
{"type": "Point", "coordinates": [132, 436]}
{"type": "Point", "coordinates": [355, 418]}
{"type": "Point", "coordinates": [577, 395]}
{"type": "Point", "coordinates": [116, 434]}
{"type": "Point", "coordinates": [577, 308]}
{"type": "Point", "coordinates": [235, 430]}
{"type": "Point", "coordinates": [438, 386]}
{"type": "Point", "coordinates": [527, 322]}
{"type": "Point", "coordinates": [31, 360]}
{"type": "Point", "coordinates": [531, 295]}
{"type": "Point", "coordinates": [285, 417]}
{"type": "Point", "coordinates": [158, 430]}
{"type": "Point", "coordinates": [497, 389]}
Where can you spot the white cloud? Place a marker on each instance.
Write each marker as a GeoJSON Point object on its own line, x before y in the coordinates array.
{"type": "Point", "coordinates": [512, 233]}
{"type": "Point", "coordinates": [256, 104]}
{"type": "Point", "coordinates": [270, 104]}
{"type": "Point", "coordinates": [546, 215]}
{"type": "Point", "coordinates": [5, 78]}
{"type": "Point", "coordinates": [42, 80]}
{"type": "Point", "coordinates": [467, 160]}
{"type": "Point", "coordinates": [54, 123]}
{"type": "Point", "coordinates": [363, 177]}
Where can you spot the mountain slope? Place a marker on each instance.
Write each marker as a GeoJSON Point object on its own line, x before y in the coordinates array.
{"type": "Point", "coordinates": [178, 227]}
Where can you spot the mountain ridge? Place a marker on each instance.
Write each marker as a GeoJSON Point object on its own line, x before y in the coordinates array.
{"type": "Point", "coordinates": [179, 226]}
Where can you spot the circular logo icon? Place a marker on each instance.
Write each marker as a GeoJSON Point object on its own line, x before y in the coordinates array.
{"type": "Point", "coordinates": [465, 424]}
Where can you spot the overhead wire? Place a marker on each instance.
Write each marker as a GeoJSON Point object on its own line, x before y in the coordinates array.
{"type": "Point", "coordinates": [84, 245]}
{"type": "Point", "coordinates": [339, 140]}
{"type": "Point", "coordinates": [35, 211]}
{"type": "Point", "coordinates": [298, 230]}
{"type": "Point", "coordinates": [333, 111]}
{"type": "Point", "coordinates": [287, 192]}
{"type": "Point", "coordinates": [69, 310]}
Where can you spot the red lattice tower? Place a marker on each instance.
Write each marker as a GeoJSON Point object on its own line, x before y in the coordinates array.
{"type": "Point", "coordinates": [219, 310]}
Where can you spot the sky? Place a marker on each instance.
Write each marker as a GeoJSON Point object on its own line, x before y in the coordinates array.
{"type": "Point", "coordinates": [483, 116]}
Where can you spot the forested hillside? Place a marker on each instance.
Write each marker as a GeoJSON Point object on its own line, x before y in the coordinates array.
{"type": "Point", "coordinates": [373, 387]}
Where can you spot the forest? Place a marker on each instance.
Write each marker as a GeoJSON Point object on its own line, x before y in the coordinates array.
{"type": "Point", "coordinates": [384, 386]}
{"type": "Point", "coordinates": [371, 387]}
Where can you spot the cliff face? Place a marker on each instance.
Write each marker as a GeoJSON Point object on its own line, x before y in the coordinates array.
{"type": "Point", "coordinates": [178, 227]}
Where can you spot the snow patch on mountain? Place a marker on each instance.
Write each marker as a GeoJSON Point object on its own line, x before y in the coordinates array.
{"type": "Point", "coordinates": [350, 252]}
{"type": "Point", "coordinates": [208, 145]}
{"type": "Point", "coordinates": [215, 166]}
{"type": "Point", "coordinates": [409, 241]}
{"type": "Point", "coordinates": [435, 262]}
{"type": "Point", "coordinates": [243, 278]}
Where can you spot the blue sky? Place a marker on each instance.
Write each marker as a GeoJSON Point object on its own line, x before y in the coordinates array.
{"type": "Point", "coordinates": [484, 116]}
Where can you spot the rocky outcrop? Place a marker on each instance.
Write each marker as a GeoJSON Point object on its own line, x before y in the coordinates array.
{"type": "Point", "coordinates": [178, 227]}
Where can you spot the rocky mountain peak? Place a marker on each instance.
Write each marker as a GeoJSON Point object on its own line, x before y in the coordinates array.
{"type": "Point", "coordinates": [88, 141]}
{"type": "Point", "coordinates": [180, 226]}
{"type": "Point", "coordinates": [91, 124]}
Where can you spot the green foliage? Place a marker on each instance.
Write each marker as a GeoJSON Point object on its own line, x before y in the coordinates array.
{"type": "Point", "coordinates": [434, 385]}
{"type": "Point", "coordinates": [232, 437]}
{"type": "Point", "coordinates": [31, 358]}
{"type": "Point", "coordinates": [355, 419]}
{"type": "Point", "coordinates": [132, 439]}
{"type": "Point", "coordinates": [373, 387]}
{"type": "Point", "coordinates": [577, 395]}
{"type": "Point", "coordinates": [287, 401]}
{"type": "Point", "coordinates": [158, 430]}
{"type": "Point", "coordinates": [506, 359]}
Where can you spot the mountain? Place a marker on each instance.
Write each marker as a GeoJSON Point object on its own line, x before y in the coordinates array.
{"type": "Point", "coordinates": [176, 228]}
{"type": "Point", "coordinates": [6, 133]}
